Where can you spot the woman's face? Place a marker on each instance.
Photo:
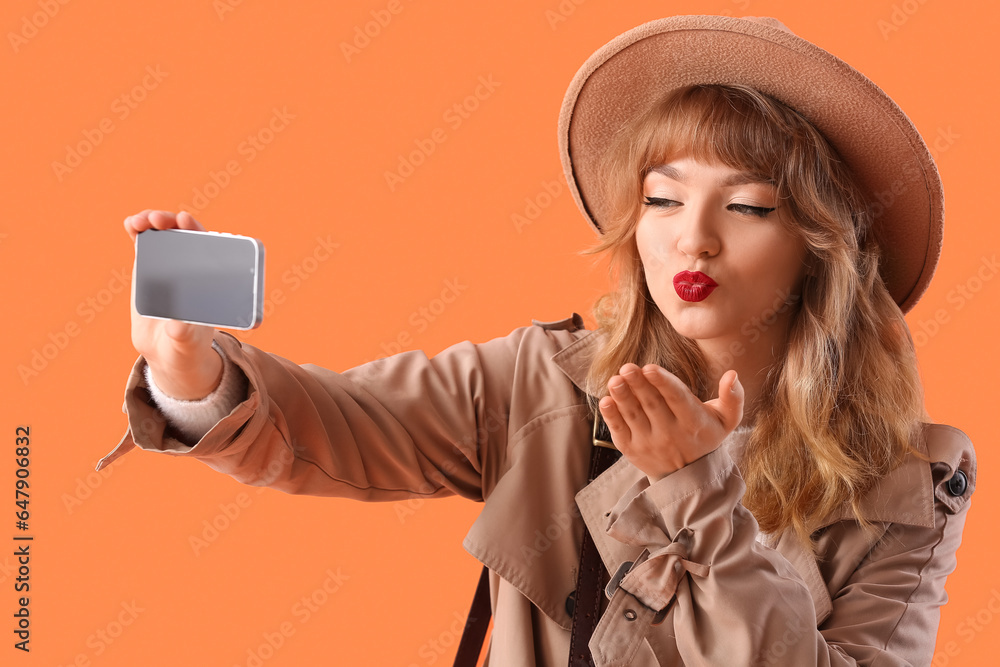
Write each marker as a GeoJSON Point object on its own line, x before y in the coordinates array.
{"type": "Point", "coordinates": [709, 218]}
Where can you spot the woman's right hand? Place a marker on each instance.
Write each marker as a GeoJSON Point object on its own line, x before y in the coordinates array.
{"type": "Point", "coordinates": [179, 354]}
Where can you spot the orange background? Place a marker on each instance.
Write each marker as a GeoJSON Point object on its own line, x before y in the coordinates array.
{"type": "Point", "coordinates": [102, 542]}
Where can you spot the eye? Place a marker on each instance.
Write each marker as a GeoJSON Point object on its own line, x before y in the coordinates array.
{"type": "Point", "coordinates": [746, 209]}
{"type": "Point", "coordinates": [659, 202]}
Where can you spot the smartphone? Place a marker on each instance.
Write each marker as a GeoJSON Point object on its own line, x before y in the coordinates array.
{"type": "Point", "coordinates": [208, 278]}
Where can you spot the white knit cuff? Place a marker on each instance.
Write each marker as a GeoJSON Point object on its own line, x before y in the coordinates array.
{"type": "Point", "coordinates": [193, 419]}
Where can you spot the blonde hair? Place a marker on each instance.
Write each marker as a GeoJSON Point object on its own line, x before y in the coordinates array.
{"type": "Point", "coordinates": [843, 406]}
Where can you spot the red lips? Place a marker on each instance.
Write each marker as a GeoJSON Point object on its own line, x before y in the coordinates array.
{"type": "Point", "coordinates": [693, 285]}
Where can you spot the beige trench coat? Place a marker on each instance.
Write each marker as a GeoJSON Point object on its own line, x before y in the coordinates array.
{"type": "Point", "coordinates": [505, 423]}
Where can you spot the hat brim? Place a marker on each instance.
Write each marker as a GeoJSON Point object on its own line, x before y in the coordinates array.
{"type": "Point", "coordinates": [870, 132]}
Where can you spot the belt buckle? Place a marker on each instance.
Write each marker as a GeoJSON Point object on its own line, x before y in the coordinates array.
{"type": "Point", "coordinates": [616, 580]}
{"type": "Point", "coordinates": [599, 434]}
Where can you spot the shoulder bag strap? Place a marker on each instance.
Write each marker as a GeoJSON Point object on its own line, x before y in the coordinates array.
{"type": "Point", "coordinates": [589, 584]}
{"type": "Point", "coordinates": [476, 625]}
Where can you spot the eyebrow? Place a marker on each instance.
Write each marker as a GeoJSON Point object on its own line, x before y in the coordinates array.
{"type": "Point", "coordinates": [738, 178]}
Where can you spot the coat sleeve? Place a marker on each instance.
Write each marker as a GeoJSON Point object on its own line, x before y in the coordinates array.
{"type": "Point", "coordinates": [399, 427]}
{"type": "Point", "coordinates": [738, 602]}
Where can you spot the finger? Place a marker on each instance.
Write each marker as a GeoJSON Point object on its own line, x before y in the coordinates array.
{"type": "Point", "coordinates": [730, 403]}
{"type": "Point", "coordinates": [653, 404]}
{"type": "Point", "coordinates": [728, 407]}
{"type": "Point", "coordinates": [183, 332]}
{"type": "Point", "coordinates": [620, 433]}
{"type": "Point", "coordinates": [157, 219]}
{"type": "Point", "coordinates": [186, 221]}
{"type": "Point", "coordinates": [628, 405]}
{"type": "Point", "coordinates": [137, 223]}
{"type": "Point", "coordinates": [682, 404]}
{"type": "Point", "coordinates": [163, 219]}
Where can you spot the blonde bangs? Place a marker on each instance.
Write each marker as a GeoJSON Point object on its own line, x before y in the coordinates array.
{"type": "Point", "coordinates": [731, 125]}
{"type": "Point", "coordinates": [714, 125]}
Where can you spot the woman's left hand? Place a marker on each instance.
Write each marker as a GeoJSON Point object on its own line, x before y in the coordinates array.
{"type": "Point", "coordinates": [659, 425]}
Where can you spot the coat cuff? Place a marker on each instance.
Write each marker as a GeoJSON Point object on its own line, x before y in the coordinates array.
{"type": "Point", "coordinates": [150, 430]}
{"type": "Point", "coordinates": [664, 519]}
{"type": "Point", "coordinates": [644, 517]}
{"type": "Point", "coordinates": [193, 419]}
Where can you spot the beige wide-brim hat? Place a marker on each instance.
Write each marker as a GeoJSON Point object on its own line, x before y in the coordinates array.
{"type": "Point", "coordinates": [869, 131]}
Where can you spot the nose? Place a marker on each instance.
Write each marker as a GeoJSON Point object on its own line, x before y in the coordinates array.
{"type": "Point", "coordinates": [698, 236]}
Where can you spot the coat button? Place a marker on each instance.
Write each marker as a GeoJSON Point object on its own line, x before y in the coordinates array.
{"type": "Point", "coordinates": [571, 603]}
{"type": "Point", "coordinates": [958, 483]}
{"type": "Point", "coordinates": [630, 615]}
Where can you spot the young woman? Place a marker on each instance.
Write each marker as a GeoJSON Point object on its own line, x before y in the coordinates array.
{"type": "Point", "coordinates": [780, 497]}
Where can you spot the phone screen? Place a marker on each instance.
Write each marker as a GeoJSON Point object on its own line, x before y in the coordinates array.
{"type": "Point", "coordinates": [200, 277]}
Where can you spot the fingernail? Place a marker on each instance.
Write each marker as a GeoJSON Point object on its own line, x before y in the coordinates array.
{"type": "Point", "coordinates": [736, 382]}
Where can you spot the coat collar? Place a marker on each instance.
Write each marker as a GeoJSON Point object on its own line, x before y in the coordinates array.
{"type": "Point", "coordinates": [903, 496]}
